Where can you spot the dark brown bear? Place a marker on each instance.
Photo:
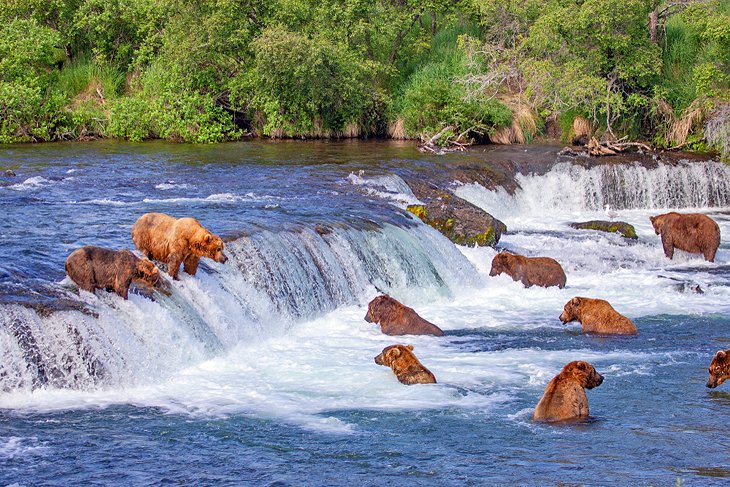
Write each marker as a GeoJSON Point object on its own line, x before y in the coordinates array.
{"type": "Point", "coordinates": [531, 271]}
{"type": "Point", "coordinates": [406, 366]}
{"type": "Point", "coordinates": [176, 241]}
{"type": "Point", "coordinates": [565, 396]}
{"type": "Point", "coordinates": [113, 270]}
{"type": "Point", "coordinates": [719, 369]}
{"type": "Point", "coordinates": [397, 319]}
{"type": "Point", "coordinates": [693, 232]}
{"type": "Point", "coordinates": [597, 316]}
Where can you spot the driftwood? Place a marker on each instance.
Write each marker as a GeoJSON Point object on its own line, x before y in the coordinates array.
{"type": "Point", "coordinates": [449, 144]}
{"type": "Point", "coordinates": [611, 148]}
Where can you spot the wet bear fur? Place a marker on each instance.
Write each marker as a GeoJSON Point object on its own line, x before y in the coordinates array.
{"type": "Point", "coordinates": [395, 318]}
{"type": "Point", "coordinates": [405, 365]}
{"type": "Point", "coordinates": [692, 232]}
{"type": "Point", "coordinates": [597, 316]}
{"type": "Point", "coordinates": [176, 241]}
{"type": "Point", "coordinates": [719, 369]}
{"type": "Point", "coordinates": [565, 396]}
{"type": "Point", "coordinates": [531, 271]}
{"type": "Point", "coordinates": [113, 270]}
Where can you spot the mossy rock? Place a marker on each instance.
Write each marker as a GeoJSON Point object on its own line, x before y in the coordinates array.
{"type": "Point", "coordinates": [625, 229]}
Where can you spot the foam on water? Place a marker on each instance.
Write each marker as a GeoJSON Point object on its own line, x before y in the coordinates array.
{"type": "Point", "coordinates": [14, 447]}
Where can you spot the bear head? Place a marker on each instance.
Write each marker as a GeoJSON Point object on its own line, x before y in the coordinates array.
{"type": "Point", "coordinates": [570, 310]}
{"type": "Point", "coordinates": [379, 308]}
{"type": "Point", "coordinates": [719, 369]}
{"type": "Point", "coordinates": [392, 353]}
{"type": "Point", "coordinates": [147, 271]}
{"type": "Point", "coordinates": [658, 223]}
{"type": "Point", "coordinates": [209, 245]}
{"type": "Point", "coordinates": [501, 263]}
{"type": "Point", "coordinates": [584, 374]}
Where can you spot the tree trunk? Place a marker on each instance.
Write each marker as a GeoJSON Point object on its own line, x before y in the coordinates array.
{"type": "Point", "coordinates": [654, 25]}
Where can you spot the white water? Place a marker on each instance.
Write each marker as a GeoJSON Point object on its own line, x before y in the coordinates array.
{"type": "Point", "coordinates": [278, 332]}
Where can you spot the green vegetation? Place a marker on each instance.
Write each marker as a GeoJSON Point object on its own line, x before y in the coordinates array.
{"type": "Point", "coordinates": [495, 70]}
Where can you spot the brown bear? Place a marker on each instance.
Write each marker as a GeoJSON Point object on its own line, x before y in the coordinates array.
{"type": "Point", "coordinates": [692, 232]}
{"type": "Point", "coordinates": [176, 241]}
{"type": "Point", "coordinates": [396, 318]}
{"type": "Point", "coordinates": [113, 270]}
{"type": "Point", "coordinates": [565, 396]}
{"type": "Point", "coordinates": [719, 369]}
{"type": "Point", "coordinates": [406, 366]}
{"type": "Point", "coordinates": [597, 316]}
{"type": "Point", "coordinates": [531, 271]}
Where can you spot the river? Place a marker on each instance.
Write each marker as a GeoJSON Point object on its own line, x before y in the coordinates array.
{"type": "Point", "coordinates": [261, 370]}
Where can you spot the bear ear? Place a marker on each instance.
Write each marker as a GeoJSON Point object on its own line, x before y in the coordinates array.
{"type": "Point", "coordinates": [207, 237]}
{"type": "Point", "coordinates": [575, 301]}
{"type": "Point", "coordinates": [409, 347]}
{"type": "Point", "coordinates": [394, 352]}
{"type": "Point", "coordinates": [652, 218]}
{"type": "Point", "coordinates": [721, 354]}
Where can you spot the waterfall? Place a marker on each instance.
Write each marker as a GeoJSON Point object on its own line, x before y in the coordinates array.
{"type": "Point", "coordinates": [271, 280]}
{"type": "Point", "coordinates": [568, 187]}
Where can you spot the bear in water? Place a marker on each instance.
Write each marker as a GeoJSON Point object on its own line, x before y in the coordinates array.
{"type": "Point", "coordinates": [176, 241]}
{"type": "Point", "coordinates": [397, 319]}
{"type": "Point", "coordinates": [692, 232]}
{"type": "Point", "coordinates": [99, 268]}
{"type": "Point", "coordinates": [565, 396]}
{"type": "Point", "coordinates": [597, 316]}
{"type": "Point", "coordinates": [406, 366]}
{"type": "Point", "coordinates": [719, 369]}
{"type": "Point", "coordinates": [531, 271]}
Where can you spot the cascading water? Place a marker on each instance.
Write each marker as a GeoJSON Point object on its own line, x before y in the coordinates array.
{"type": "Point", "coordinates": [271, 280]}
{"type": "Point", "coordinates": [568, 187]}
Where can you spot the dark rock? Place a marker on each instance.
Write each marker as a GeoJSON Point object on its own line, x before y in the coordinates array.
{"type": "Point", "coordinates": [623, 228]}
{"type": "Point", "coordinates": [462, 222]}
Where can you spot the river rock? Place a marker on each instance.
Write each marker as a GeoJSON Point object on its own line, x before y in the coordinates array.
{"type": "Point", "coordinates": [462, 222]}
{"type": "Point", "coordinates": [623, 228]}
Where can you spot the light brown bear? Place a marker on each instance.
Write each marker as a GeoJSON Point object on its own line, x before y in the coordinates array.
{"type": "Point", "coordinates": [176, 241]}
{"type": "Point", "coordinates": [406, 366]}
{"type": "Point", "coordinates": [719, 369]}
{"type": "Point", "coordinates": [597, 316]}
{"type": "Point", "coordinates": [113, 270]}
{"type": "Point", "coordinates": [531, 271]}
{"type": "Point", "coordinates": [565, 396]}
{"type": "Point", "coordinates": [692, 232]}
{"type": "Point", "coordinates": [396, 318]}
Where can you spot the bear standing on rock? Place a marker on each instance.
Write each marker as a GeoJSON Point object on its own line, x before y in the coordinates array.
{"type": "Point", "coordinates": [395, 318]}
{"type": "Point", "coordinates": [176, 241]}
{"type": "Point", "coordinates": [531, 271]}
{"type": "Point", "coordinates": [692, 232]}
{"type": "Point", "coordinates": [565, 396]}
{"type": "Point", "coordinates": [98, 268]}
{"type": "Point", "coordinates": [597, 316]}
{"type": "Point", "coordinates": [719, 369]}
{"type": "Point", "coordinates": [405, 365]}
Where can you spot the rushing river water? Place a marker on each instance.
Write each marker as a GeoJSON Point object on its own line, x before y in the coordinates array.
{"type": "Point", "coordinates": [261, 370]}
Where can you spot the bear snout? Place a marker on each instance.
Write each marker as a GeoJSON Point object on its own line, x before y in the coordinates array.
{"type": "Point", "coordinates": [711, 383]}
{"type": "Point", "coordinates": [379, 359]}
{"type": "Point", "coordinates": [563, 317]}
{"type": "Point", "coordinates": [223, 258]}
{"type": "Point", "coordinates": [597, 380]}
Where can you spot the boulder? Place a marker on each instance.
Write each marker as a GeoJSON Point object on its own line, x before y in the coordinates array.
{"type": "Point", "coordinates": [460, 221]}
{"type": "Point", "coordinates": [623, 228]}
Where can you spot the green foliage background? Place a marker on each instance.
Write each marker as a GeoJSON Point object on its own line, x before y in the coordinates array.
{"type": "Point", "coordinates": [217, 70]}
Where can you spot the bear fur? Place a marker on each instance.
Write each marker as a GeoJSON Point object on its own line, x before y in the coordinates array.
{"type": "Point", "coordinates": [395, 318]}
{"type": "Point", "coordinates": [405, 365]}
{"type": "Point", "coordinates": [176, 241]}
{"type": "Point", "coordinates": [113, 270]}
{"type": "Point", "coordinates": [531, 271]}
{"type": "Point", "coordinates": [565, 396]}
{"type": "Point", "coordinates": [597, 316]}
{"type": "Point", "coordinates": [692, 232]}
{"type": "Point", "coordinates": [719, 369]}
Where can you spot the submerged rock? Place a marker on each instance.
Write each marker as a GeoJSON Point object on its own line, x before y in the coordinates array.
{"type": "Point", "coordinates": [462, 222]}
{"type": "Point", "coordinates": [625, 229]}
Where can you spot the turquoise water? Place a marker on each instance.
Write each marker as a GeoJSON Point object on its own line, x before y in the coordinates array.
{"type": "Point", "coordinates": [261, 370]}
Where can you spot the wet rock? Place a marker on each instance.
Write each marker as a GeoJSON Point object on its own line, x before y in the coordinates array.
{"type": "Point", "coordinates": [625, 229]}
{"type": "Point", "coordinates": [462, 222]}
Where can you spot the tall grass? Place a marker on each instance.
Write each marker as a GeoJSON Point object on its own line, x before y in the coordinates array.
{"type": "Point", "coordinates": [88, 79]}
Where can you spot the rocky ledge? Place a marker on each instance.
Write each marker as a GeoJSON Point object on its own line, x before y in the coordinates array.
{"type": "Point", "coordinates": [625, 229]}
